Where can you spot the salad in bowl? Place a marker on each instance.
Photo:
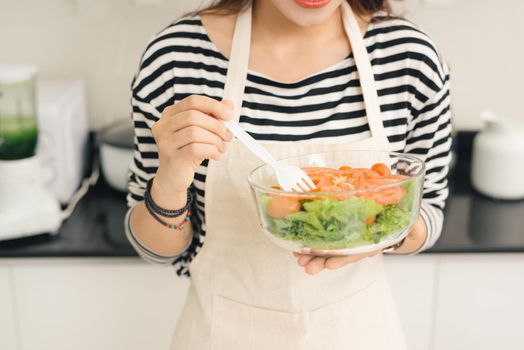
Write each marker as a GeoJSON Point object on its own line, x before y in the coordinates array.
{"type": "Point", "coordinates": [363, 201]}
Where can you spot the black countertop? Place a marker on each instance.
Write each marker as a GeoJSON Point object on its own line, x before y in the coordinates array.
{"type": "Point", "coordinates": [96, 228]}
{"type": "Point", "coordinates": [473, 222]}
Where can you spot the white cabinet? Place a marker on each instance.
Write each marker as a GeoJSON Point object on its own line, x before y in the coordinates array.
{"type": "Point", "coordinates": [96, 304]}
{"type": "Point", "coordinates": [7, 311]}
{"type": "Point", "coordinates": [412, 280]}
{"type": "Point", "coordinates": [480, 302]}
{"type": "Point", "coordinates": [445, 302]}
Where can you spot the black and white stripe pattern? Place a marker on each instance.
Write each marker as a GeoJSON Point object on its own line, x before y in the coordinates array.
{"type": "Point", "coordinates": [413, 89]}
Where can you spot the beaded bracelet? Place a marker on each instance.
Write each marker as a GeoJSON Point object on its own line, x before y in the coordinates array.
{"type": "Point", "coordinates": [180, 226]}
{"type": "Point", "coordinates": [148, 199]}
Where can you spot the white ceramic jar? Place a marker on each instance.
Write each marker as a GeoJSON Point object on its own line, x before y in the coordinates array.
{"type": "Point", "coordinates": [498, 159]}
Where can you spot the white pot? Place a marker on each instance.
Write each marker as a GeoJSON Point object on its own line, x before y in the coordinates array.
{"type": "Point", "coordinates": [498, 159]}
{"type": "Point", "coordinates": [116, 153]}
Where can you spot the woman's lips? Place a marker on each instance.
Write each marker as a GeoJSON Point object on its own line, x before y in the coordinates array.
{"type": "Point", "coordinates": [312, 4]}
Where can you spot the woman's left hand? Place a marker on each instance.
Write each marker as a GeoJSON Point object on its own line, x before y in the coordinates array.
{"type": "Point", "coordinates": [313, 264]}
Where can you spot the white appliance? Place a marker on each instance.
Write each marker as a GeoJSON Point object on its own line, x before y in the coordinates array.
{"type": "Point", "coordinates": [26, 206]}
{"type": "Point", "coordinates": [498, 159]}
{"type": "Point", "coordinates": [62, 135]}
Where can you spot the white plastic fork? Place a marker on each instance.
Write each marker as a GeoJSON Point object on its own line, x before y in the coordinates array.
{"type": "Point", "coordinates": [290, 177]}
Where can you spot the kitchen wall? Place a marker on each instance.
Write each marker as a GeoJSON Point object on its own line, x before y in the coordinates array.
{"type": "Point", "coordinates": [482, 42]}
{"type": "Point", "coordinates": [101, 41]}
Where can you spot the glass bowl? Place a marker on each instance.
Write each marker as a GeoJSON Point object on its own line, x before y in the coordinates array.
{"type": "Point", "coordinates": [358, 214]}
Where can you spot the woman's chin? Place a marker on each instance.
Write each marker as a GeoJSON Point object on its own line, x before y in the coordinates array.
{"type": "Point", "coordinates": [304, 16]}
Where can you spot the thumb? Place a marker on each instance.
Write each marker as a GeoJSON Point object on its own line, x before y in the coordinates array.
{"type": "Point", "coordinates": [419, 231]}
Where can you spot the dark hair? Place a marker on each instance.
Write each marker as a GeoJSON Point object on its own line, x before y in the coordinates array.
{"type": "Point", "coordinates": [359, 6]}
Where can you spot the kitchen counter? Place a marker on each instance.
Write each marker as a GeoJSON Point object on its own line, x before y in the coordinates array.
{"type": "Point", "coordinates": [94, 230]}
{"type": "Point", "coordinates": [473, 223]}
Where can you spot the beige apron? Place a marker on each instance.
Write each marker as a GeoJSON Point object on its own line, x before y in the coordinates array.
{"type": "Point", "coordinates": [246, 292]}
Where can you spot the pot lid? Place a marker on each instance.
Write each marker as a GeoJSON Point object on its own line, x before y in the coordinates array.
{"type": "Point", "coordinates": [501, 125]}
{"type": "Point", "coordinates": [119, 134]}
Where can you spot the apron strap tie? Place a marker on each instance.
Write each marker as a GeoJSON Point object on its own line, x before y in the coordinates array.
{"type": "Point", "coordinates": [238, 62]}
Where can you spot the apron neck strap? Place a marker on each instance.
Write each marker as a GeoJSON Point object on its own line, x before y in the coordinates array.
{"type": "Point", "coordinates": [239, 61]}
{"type": "Point", "coordinates": [365, 71]}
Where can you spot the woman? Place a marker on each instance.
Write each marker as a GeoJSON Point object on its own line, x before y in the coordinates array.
{"type": "Point", "coordinates": [301, 76]}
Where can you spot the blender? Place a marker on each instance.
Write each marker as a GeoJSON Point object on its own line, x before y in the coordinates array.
{"type": "Point", "coordinates": [26, 207]}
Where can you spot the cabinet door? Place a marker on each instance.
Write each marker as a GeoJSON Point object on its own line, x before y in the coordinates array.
{"type": "Point", "coordinates": [7, 311]}
{"type": "Point", "coordinates": [105, 306]}
{"type": "Point", "coordinates": [412, 280]}
{"type": "Point", "coordinates": [480, 303]}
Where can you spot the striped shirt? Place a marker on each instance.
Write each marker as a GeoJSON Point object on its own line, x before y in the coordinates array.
{"type": "Point", "coordinates": [413, 89]}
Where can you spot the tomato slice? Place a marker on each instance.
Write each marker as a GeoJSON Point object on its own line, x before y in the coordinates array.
{"type": "Point", "coordinates": [381, 169]}
{"type": "Point", "coordinates": [318, 170]}
{"type": "Point", "coordinates": [360, 173]}
{"type": "Point", "coordinates": [367, 183]}
{"type": "Point", "coordinates": [397, 177]}
{"type": "Point", "coordinates": [282, 205]}
{"type": "Point", "coordinates": [343, 179]}
{"type": "Point", "coordinates": [276, 187]}
{"type": "Point", "coordinates": [320, 181]}
{"type": "Point", "coordinates": [346, 186]}
{"type": "Point", "coordinates": [392, 195]}
{"type": "Point", "coordinates": [385, 196]}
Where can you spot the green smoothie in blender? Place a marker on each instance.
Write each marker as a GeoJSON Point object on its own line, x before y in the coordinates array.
{"type": "Point", "coordinates": [18, 122]}
{"type": "Point", "coordinates": [18, 137]}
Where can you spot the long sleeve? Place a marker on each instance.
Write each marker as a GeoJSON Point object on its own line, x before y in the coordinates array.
{"type": "Point", "coordinates": [140, 172]}
{"type": "Point", "coordinates": [170, 60]}
{"type": "Point", "coordinates": [142, 169]}
{"type": "Point", "coordinates": [430, 139]}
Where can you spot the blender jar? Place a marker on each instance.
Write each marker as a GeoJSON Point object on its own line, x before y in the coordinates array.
{"type": "Point", "coordinates": [18, 123]}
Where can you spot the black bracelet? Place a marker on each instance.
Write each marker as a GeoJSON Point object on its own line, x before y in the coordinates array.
{"type": "Point", "coordinates": [148, 199]}
{"type": "Point", "coordinates": [180, 226]}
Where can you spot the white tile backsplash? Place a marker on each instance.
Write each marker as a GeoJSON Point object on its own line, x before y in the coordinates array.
{"type": "Point", "coordinates": [101, 41]}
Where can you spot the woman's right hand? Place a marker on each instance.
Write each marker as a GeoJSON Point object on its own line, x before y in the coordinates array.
{"type": "Point", "coordinates": [187, 133]}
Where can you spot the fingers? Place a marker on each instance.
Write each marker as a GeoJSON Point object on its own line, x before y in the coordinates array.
{"type": "Point", "coordinates": [171, 124]}
{"type": "Point", "coordinates": [204, 104]}
{"type": "Point", "coordinates": [336, 262]}
{"type": "Point", "coordinates": [414, 240]}
{"type": "Point", "coordinates": [304, 259]}
{"type": "Point", "coordinates": [228, 103]}
{"type": "Point", "coordinates": [195, 134]}
{"type": "Point", "coordinates": [340, 261]}
{"type": "Point", "coordinates": [315, 265]}
{"type": "Point", "coordinates": [194, 127]}
{"type": "Point", "coordinates": [419, 231]}
{"type": "Point", "coordinates": [312, 264]}
{"type": "Point", "coordinates": [202, 151]}
{"type": "Point", "coordinates": [197, 118]}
